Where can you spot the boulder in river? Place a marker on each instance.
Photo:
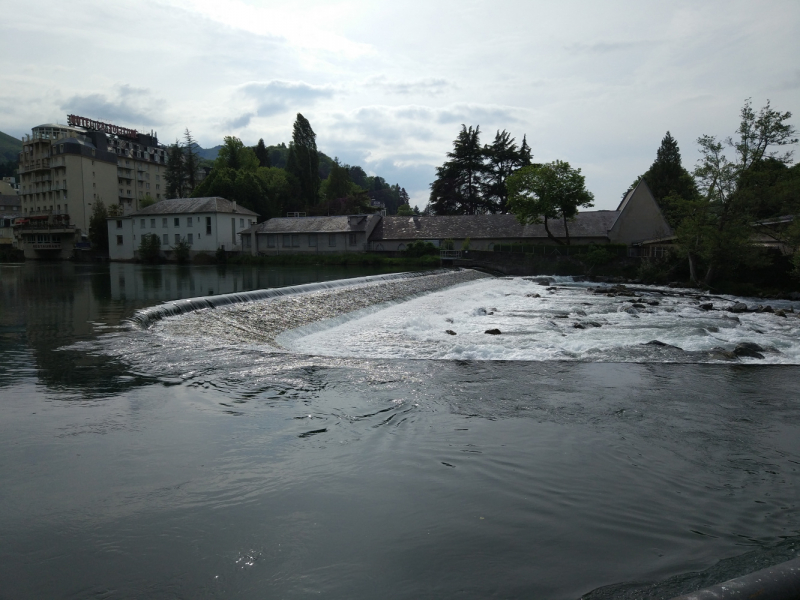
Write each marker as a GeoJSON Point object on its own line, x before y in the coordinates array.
{"type": "Point", "coordinates": [450, 332]}
{"type": "Point", "coordinates": [748, 349]}
{"type": "Point", "coordinates": [638, 305]}
{"type": "Point", "coordinates": [780, 313]}
{"type": "Point", "coordinates": [660, 344]}
{"type": "Point", "coordinates": [721, 354]}
{"type": "Point", "coordinates": [738, 307]}
{"type": "Point", "coordinates": [707, 306]}
{"type": "Point", "coordinates": [533, 295]}
{"type": "Point", "coordinates": [493, 331]}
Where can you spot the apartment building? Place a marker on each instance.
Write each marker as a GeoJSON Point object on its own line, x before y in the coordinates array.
{"type": "Point", "coordinates": [66, 169]}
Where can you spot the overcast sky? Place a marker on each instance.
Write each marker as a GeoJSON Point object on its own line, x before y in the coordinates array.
{"type": "Point", "coordinates": [388, 84]}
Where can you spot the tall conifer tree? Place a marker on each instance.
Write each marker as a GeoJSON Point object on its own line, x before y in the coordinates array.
{"type": "Point", "coordinates": [303, 160]}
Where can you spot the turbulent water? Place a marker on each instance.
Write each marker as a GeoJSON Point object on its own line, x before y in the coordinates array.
{"type": "Point", "coordinates": [291, 446]}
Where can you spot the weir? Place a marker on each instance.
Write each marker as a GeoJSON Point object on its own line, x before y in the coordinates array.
{"type": "Point", "coordinates": [146, 317]}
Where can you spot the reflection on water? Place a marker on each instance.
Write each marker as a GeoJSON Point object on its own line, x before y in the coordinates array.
{"type": "Point", "coordinates": [46, 306]}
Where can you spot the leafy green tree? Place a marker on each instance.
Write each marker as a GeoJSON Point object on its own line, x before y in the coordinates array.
{"type": "Point", "coordinates": [404, 210]}
{"type": "Point", "coordinates": [148, 200]}
{"type": "Point", "coordinates": [182, 251]}
{"type": "Point", "coordinates": [174, 175]}
{"type": "Point", "coordinates": [723, 240]}
{"type": "Point", "coordinates": [262, 154]}
{"type": "Point", "coordinates": [191, 161]}
{"type": "Point", "coordinates": [98, 227]}
{"type": "Point", "coordinates": [457, 189]}
{"type": "Point", "coordinates": [554, 190]}
{"type": "Point", "coordinates": [235, 155]}
{"type": "Point", "coordinates": [303, 160]}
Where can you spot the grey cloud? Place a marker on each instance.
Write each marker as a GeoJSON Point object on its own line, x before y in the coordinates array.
{"type": "Point", "coordinates": [474, 114]}
{"type": "Point", "coordinates": [276, 96]}
{"type": "Point", "coordinates": [239, 122]}
{"type": "Point", "coordinates": [430, 86]}
{"type": "Point", "coordinates": [124, 109]}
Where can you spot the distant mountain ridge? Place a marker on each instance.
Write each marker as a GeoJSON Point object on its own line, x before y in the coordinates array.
{"type": "Point", "coordinates": [10, 147]}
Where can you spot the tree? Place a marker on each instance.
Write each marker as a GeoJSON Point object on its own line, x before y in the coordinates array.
{"type": "Point", "coordinates": [503, 159]}
{"type": "Point", "coordinates": [525, 154]}
{"type": "Point", "coordinates": [235, 155]}
{"type": "Point", "coordinates": [261, 154]}
{"type": "Point", "coordinates": [458, 185]}
{"type": "Point", "coordinates": [404, 210]}
{"type": "Point", "coordinates": [723, 240]}
{"type": "Point", "coordinates": [98, 227]}
{"type": "Point", "coordinates": [174, 171]}
{"type": "Point", "coordinates": [303, 160]}
{"type": "Point", "coordinates": [550, 191]}
{"type": "Point", "coordinates": [149, 248]}
{"type": "Point", "coordinates": [667, 178]}
{"type": "Point", "coordinates": [191, 161]}
{"type": "Point", "coordinates": [339, 184]}
{"type": "Point", "coordinates": [148, 200]}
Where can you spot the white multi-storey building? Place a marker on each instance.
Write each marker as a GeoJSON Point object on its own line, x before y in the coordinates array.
{"type": "Point", "coordinates": [206, 224]}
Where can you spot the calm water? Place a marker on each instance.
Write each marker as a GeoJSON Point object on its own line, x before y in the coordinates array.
{"type": "Point", "coordinates": [137, 466]}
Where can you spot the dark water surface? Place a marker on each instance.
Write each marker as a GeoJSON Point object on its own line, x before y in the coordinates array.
{"type": "Point", "coordinates": [137, 467]}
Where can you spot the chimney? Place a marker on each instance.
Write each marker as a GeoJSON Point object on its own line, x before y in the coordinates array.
{"type": "Point", "coordinates": [234, 206]}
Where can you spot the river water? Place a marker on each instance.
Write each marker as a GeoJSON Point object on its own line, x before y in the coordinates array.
{"type": "Point", "coordinates": [375, 454]}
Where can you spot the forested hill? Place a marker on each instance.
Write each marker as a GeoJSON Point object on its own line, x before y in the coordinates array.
{"type": "Point", "coordinates": [10, 147]}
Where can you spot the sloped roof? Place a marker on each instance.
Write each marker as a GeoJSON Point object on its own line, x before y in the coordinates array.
{"type": "Point", "coordinates": [337, 224]}
{"type": "Point", "coordinates": [592, 224]}
{"type": "Point", "coordinates": [193, 205]}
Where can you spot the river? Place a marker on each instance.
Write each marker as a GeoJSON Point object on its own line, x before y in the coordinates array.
{"type": "Point", "coordinates": [377, 455]}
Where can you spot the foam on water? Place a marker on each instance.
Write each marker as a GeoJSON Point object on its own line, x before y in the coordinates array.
{"type": "Point", "coordinates": [569, 321]}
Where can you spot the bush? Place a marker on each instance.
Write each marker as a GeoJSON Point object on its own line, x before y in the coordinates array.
{"type": "Point", "coordinates": [181, 250]}
{"type": "Point", "coordinates": [150, 248]}
{"type": "Point", "coordinates": [221, 255]}
{"type": "Point", "coordinates": [418, 249]}
{"type": "Point", "coordinates": [595, 255]}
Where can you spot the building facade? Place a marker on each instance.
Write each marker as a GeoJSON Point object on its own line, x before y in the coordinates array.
{"type": "Point", "coordinates": [310, 235]}
{"type": "Point", "coordinates": [66, 169]}
{"type": "Point", "coordinates": [206, 224]}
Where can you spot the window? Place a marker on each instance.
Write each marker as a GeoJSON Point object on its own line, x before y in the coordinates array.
{"type": "Point", "coordinates": [177, 222]}
{"type": "Point", "coordinates": [352, 237]}
{"type": "Point", "coordinates": [119, 223]}
{"type": "Point", "coordinates": [331, 240]}
{"type": "Point", "coordinates": [190, 239]}
{"type": "Point", "coordinates": [241, 222]}
{"type": "Point", "coordinates": [166, 239]}
{"type": "Point", "coordinates": [177, 238]}
{"type": "Point", "coordinates": [188, 221]}
{"type": "Point", "coordinates": [295, 240]}
{"type": "Point", "coordinates": [152, 223]}
{"type": "Point", "coordinates": [208, 225]}
{"type": "Point", "coordinates": [312, 240]}
{"type": "Point", "coordinates": [287, 240]}
{"type": "Point", "coordinates": [271, 240]}
{"type": "Point", "coordinates": [119, 237]}
{"type": "Point", "coordinates": [141, 224]}
{"type": "Point", "coordinates": [164, 223]}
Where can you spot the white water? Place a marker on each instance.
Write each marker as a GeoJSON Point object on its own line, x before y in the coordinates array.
{"type": "Point", "coordinates": [544, 328]}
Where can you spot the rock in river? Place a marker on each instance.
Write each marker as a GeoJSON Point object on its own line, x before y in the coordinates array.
{"type": "Point", "coordinates": [748, 349]}
{"type": "Point", "coordinates": [739, 307]}
{"type": "Point", "coordinates": [492, 331]}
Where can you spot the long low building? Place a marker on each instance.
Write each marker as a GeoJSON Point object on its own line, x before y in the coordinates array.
{"type": "Point", "coordinates": [206, 224]}
{"type": "Point", "coordinates": [636, 220]}
{"type": "Point", "coordinates": [302, 235]}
